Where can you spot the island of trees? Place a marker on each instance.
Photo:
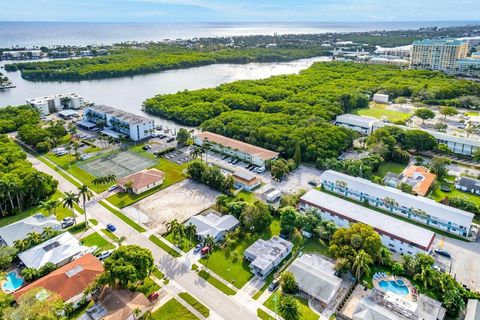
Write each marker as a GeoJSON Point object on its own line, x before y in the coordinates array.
{"type": "Point", "coordinates": [284, 113]}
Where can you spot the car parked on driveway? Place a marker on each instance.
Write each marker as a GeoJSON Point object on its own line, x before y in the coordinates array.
{"type": "Point", "coordinates": [111, 227]}
{"type": "Point", "coordinates": [274, 285]}
{"type": "Point", "coordinates": [112, 188]}
{"type": "Point", "coordinates": [104, 255]}
{"type": "Point", "coordinates": [197, 247]}
{"type": "Point", "coordinates": [153, 296]}
{"type": "Point", "coordinates": [67, 222]}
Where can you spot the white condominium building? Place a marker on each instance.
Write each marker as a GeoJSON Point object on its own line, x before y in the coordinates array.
{"type": "Point", "coordinates": [419, 209]}
{"type": "Point", "coordinates": [125, 123]}
{"type": "Point", "coordinates": [398, 236]}
{"type": "Point", "coordinates": [437, 54]}
{"type": "Point", "coordinates": [56, 102]}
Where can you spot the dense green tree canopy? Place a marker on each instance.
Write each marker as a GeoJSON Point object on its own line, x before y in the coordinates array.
{"type": "Point", "coordinates": [284, 113]}
{"type": "Point", "coordinates": [21, 185]}
{"type": "Point", "coordinates": [12, 118]}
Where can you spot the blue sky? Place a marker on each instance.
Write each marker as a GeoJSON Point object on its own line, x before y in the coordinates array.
{"type": "Point", "coordinates": [238, 10]}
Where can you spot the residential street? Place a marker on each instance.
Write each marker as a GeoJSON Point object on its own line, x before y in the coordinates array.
{"type": "Point", "coordinates": [224, 306]}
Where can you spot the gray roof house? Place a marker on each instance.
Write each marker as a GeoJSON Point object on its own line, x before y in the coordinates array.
{"type": "Point", "coordinates": [213, 225]}
{"type": "Point", "coordinates": [316, 277]}
{"type": "Point", "coordinates": [468, 185]}
{"type": "Point", "coordinates": [265, 255]}
{"type": "Point", "coordinates": [20, 229]}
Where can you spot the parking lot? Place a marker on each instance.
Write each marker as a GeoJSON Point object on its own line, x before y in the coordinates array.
{"type": "Point", "coordinates": [178, 156]}
{"type": "Point", "coordinates": [464, 263]}
{"type": "Point", "coordinates": [179, 201]}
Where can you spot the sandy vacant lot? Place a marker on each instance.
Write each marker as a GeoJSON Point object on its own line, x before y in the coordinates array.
{"type": "Point", "coordinates": [179, 201]}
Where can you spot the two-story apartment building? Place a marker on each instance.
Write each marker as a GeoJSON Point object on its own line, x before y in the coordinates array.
{"type": "Point", "coordinates": [419, 209]}
{"type": "Point", "coordinates": [398, 236]}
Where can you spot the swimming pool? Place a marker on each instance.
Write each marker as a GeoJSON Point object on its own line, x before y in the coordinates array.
{"type": "Point", "coordinates": [397, 287]}
{"type": "Point", "coordinates": [13, 282]}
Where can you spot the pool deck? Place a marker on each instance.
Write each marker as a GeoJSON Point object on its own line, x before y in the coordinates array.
{"type": "Point", "coordinates": [409, 296]}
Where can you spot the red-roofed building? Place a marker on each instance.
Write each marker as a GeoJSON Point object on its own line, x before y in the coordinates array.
{"type": "Point", "coordinates": [235, 148]}
{"type": "Point", "coordinates": [419, 178]}
{"type": "Point", "coordinates": [69, 281]}
{"type": "Point", "coordinates": [141, 181]}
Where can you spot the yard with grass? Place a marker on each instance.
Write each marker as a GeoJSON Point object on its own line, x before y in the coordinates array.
{"type": "Point", "coordinates": [60, 212]}
{"type": "Point", "coordinates": [246, 196]}
{"type": "Point", "coordinates": [147, 286]}
{"type": "Point", "coordinates": [110, 234]}
{"type": "Point", "coordinates": [173, 174]}
{"type": "Point", "coordinates": [216, 283]}
{"type": "Point", "coordinates": [186, 244]}
{"type": "Point", "coordinates": [231, 267]}
{"type": "Point", "coordinates": [195, 303]}
{"type": "Point", "coordinates": [157, 273]}
{"type": "Point", "coordinates": [172, 310]}
{"type": "Point", "coordinates": [263, 315]}
{"type": "Point", "coordinates": [305, 312]}
{"type": "Point", "coordinates": [380, 111]}
{"type": "Point", "coordinates": [389, 166]}
{"type": "Point", "coordinates": [164, 246]}
{"type": "Point", "coordinates": [95, 239]}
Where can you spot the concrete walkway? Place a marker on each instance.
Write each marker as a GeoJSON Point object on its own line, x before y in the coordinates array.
{"type": "Point", "coordinates": [225, 306]}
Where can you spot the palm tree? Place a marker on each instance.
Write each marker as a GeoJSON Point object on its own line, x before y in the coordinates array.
{"type": "Point", "coordinates": [69, 202]}
{"type": "Point", "coordinates": [384, 257]}
{"type": "Point", "coordinates": [33, 238]}
{"type": "Point", "coordinates": [121, 240]}
{"type": "Point", "coordinates": [361, 264]}
{"type": "Point", "coordinates": [48, 233]}
{"type": "Point", "coordinates": [85, 194]}
{"type": "Point", "coordinates": [137, 312]}
{"type": "Point", "coordinates": [50, 206]}
{"type": "Point", "coordinates": [104, 179]}
{"type": "Point", "coordinates": [289, 308]}
{"type": "Point", "coordinates": [390, 203]}
{"type": "Point", "coordinates": [209, 241]}
{"type": "Point", "coordinates": [425, 276]}
{"type": "Point", "coordinates": [128, 186]}
{"type": "Point", "coordinates": [190, 230]}
{"type": "Point", "coordinates": [20, 244]}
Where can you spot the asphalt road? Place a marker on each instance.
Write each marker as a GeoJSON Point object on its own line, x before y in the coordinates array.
{"type": "Point", "coordinates": [224, 306]}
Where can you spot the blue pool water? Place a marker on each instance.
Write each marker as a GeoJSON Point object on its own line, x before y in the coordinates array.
{"type": "Point", "coordinates": [13, 282]}
{"type": "Point", "coordinates": [392, 286]}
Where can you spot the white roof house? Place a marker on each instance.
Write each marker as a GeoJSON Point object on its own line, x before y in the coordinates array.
{"type": "Point", "coordinates": [59, 250]}
{"type": "Point", "coordinates": [20, 229]}
{"type": "Point", "coordinates": [316, 277]}
{"type": "Point", "coordinates": [439, 212]}
{"type": "Point", "coordinates": [213, 225]}
{"type": "Point", "coordinates": [473, 310]}
{"type": "Point", "coordinates": [265, 255]}
{"type": "Point", "coordinates": [379, 305]}
{"type": "Point", "coordinates": [382, 223]}
{"type": "Point", "coordinates": [358, 123]}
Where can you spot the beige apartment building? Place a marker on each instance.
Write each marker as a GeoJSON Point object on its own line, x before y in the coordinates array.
{"type": "Point", "coordinates": [438, 54]}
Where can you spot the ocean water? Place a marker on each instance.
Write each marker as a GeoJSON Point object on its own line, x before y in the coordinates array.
{"type": "Point", "coordinates": [29, 34]}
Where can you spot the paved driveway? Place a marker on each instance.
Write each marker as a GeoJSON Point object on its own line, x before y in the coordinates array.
{"type": "Point", "coordinates": [465, 262]}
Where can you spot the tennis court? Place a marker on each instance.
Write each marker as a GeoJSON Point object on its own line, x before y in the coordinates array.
{"type": "Point", "coordinates": [120, 164]}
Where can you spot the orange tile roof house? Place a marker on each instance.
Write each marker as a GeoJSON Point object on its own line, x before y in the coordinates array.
{"type": "Point", "coordinates": [69, 281]}
{"type": "Point", "coordinates": [419, 178]}
{"type": "Point", "coordinates": [119, 304]}
{"type": "Point", "coordinates": [242, 150]}
{"type": "Point", "coordinates": [142, 180]}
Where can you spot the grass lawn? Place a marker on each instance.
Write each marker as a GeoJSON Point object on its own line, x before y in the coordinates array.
{"type": "Point", "coordinates": [438, 194]}
{"type": "Point", "coordinates": [380, 111]}
{"type": "Point", "coordinates": [472, 113]}
{"type": "Point", "coordinates": [186, 244]}
{"type": "Point", "coordinates": [164, 246]}
{"type": "Point", "coordinates": [216, 283]}
{"type": "Point", "coordinates": [148, 286]}
{"type": "Point", "coordinates": [263, 315]}
{"type": "Point", "coordinates": [93, 221]}
{"type": "Point", "coordinates": [246, 196]}
{"type": "Point", "coordinates": [173, 174]}
{"type": "Point", "coordinates": [173, 310]}
{"type": "Point", "coordinates": [237, 272]}
{"type": "Point", "coordinates": [124, 218]}
{"type": "Point", "coordinates": [305, 312]}
{"type": "Point", "coordinates": [61, 212]}
{"type": "Point", "coordinates": [195, 303]}
{"type": "Point", "coordinates": [389, 166]}
{"type": "Point", "coordinates": [157, 273]}
{"type": "Point", "coordinates": [317, 246]}
{"type": "Point", "coordinates": [110, 234]}
{"type": "Point", "coordinates": [95, 239]}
